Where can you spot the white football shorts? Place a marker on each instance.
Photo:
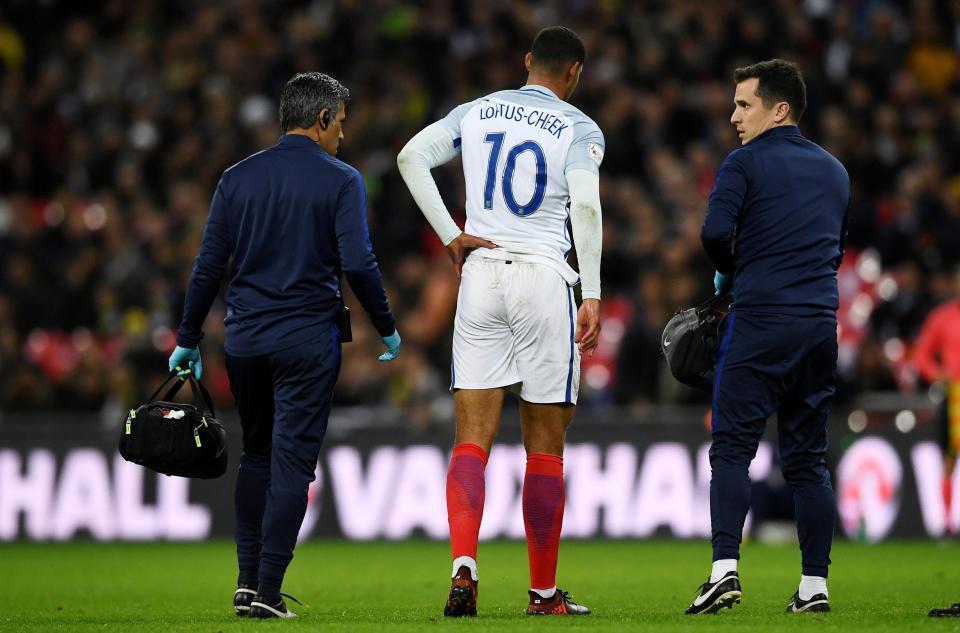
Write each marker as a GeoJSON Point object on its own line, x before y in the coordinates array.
{"type": "Point", "coordinates": [514, 328]}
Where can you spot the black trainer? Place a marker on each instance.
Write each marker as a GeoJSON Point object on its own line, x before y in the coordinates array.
{"type": "Point", "coordinates": [953, 611]}
{"type": "Point", "coordinates": [816, 604]}
{"type": "Point", "coordinates": [260, 609]}
{"type": "Point", "coordinates": [242, 598]}
{"type": "Point", "coordinates": [714, 596]}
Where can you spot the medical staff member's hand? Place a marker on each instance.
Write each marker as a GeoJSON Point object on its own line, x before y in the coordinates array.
{"type": "Point", "coordinates": [186, 359]}
{"type": "Point", "coordinates": [393, 346]}
{"type": "Point", "coordinates": [722, 282]}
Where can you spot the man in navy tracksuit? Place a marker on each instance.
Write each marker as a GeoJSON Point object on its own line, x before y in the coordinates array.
{"type": "Point", "coordinates": [775, 231]}
{"type": "Point", "coordinates": [292, 218]}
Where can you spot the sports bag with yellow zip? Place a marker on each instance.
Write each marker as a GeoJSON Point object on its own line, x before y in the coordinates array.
{"type": "Point", "coordinates": [176, 438]}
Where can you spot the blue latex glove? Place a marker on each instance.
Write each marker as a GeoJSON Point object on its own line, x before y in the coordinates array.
{"type": "Point", "coordinates": [722, 282]}
{"type": "Point", "coordinates": [188, 359]}
{"type": "Point", "coordinates": [393, 346]}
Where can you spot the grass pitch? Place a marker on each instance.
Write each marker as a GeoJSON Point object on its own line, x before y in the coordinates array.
{"type": "Point", "coordinates": [630, 585]}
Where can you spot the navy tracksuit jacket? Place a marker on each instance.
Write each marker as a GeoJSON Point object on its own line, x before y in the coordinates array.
{"type": "Point", "coordinates": [777, 221]}
{"type": "Point", "coordinates": [292, 218]}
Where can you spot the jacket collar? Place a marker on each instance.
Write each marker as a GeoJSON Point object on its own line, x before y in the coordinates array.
{"type": "Point", "coordinates": [780, 130]}
{"type": "Point", "coordinates": [296, 140]}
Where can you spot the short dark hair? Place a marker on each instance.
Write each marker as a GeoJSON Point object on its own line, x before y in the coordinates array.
{"type": "Point", "coordinates": [305, 95]}
{"type": "Point", "coordinates": [555, 47]}
{"type": "Point", "coordinates": [777, 80]}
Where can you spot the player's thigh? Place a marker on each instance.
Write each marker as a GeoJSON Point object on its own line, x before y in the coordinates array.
{"type": "Point", "coordinates": [478, 416]}
{"type": "Point", "coordinates": [483, 353]}
{"type": "Point", "coordinates": [545, 426]}
{"type": "Point", "coordinates": [542, 316]}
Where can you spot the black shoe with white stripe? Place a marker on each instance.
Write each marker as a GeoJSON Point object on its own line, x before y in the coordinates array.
{"type": "Point", "coordinates": [714, 596]}
{"type": "Point", "coordinates": [816, 604]}
{"type": "Point", "coordinates": [242, 598]}
{"type": "Point", "coordinates": [260, 609]}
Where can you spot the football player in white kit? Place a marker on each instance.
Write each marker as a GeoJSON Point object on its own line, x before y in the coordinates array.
{"type": "Point", "coordinates": [531, 162]}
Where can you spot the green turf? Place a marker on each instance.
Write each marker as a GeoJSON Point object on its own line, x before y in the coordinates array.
{"type": "Point", "coordinates": [631, 586]}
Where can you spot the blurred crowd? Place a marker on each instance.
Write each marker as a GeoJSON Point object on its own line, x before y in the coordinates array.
{"type": "Point", "coordinates": [117, 119]}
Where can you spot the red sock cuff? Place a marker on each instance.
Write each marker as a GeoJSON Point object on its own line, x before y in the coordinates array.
{"type": "Point", "coordinates": [544, 464]}
{"type": "Point", "coordinates": [473, 450]}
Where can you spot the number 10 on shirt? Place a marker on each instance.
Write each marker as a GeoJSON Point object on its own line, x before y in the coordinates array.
{"type": "Point", "coordinates": [540, 182]}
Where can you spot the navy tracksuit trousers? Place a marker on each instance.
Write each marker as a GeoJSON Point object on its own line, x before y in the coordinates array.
{"type": "Point", "coordinates": [774, 363]}
{"type": "Point", "coordinates": [284, 402]}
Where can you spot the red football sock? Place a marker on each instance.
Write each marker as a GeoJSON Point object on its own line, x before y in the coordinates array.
{"type": "Point", "coordinates": [465, 493]}
{"type": "Point", "coordinates": [543, 497]}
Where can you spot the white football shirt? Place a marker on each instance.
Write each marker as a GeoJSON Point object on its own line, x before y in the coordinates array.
{"type": "Point", "coordinates": [517, 146]}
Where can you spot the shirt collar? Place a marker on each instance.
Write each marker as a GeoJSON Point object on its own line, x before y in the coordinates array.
{"type": "Point", "coordinates": [541, 89]}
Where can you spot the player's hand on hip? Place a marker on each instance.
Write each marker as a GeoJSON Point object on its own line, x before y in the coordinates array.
{"type": "Point", "coordinates": [393, 346]}
{"type": "Point", "coordinates": [588, 326]}
{"type": "Point", "coordinates": [184, 360]}
{"type": "Point", "coordinates": [461, 246]}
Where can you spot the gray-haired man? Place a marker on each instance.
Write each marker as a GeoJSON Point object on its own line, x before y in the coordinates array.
{"type": "Point", "coordinates": [291, 218]}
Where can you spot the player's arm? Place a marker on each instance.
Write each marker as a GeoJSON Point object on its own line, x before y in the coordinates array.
{"type": "Point", "coordinates": [586, 220]}
{"type": "Point", "coordinates": [582, 171]}
{"type": "Point", "coordinates": [433, 146]}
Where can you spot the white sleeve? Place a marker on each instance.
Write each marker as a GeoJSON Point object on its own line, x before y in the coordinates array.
{"type": "Point", "coordinates": [586, 151]}
{"type": "Point", "coordinates": [587, 221]}
{"type": "Point", "coordinates": [433, 146]}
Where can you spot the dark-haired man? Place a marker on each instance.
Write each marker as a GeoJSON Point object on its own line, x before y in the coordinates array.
{"type": "Point", "coordinates": [530, 161]}
{"type": "Point", "coordinates": [775, 231]}
{"type": "Point", "coordinates": [292, 218]}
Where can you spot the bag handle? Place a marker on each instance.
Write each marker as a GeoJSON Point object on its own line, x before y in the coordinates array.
{"type": "Point", "coordinates": [173, 390]}
{"type": "Point", "coordinates": [198, 387]}
{"type": "Point", "coordinates": [714, 302]}
{"type": "Point", "coordinates": [201, 397]}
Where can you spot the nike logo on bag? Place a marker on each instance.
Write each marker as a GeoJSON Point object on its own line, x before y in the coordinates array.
{"type": "Point", "coordinates": [667, 343]}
